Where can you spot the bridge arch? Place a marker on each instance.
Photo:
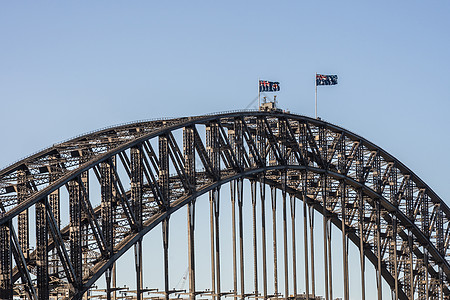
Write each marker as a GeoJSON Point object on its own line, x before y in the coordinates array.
{"type": "Point", "coordinates": [352, 182]}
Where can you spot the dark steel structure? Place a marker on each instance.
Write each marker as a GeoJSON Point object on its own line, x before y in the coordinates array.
{"type": "Point", "coordinates": [148, 170]}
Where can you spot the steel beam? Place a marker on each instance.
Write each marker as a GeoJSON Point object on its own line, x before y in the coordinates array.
{"type": "Point", "coordinates": [233, 236]}
{"type": "Point", "coordinates": [107, 204]}
{"type": "Point", "coordinates": [294, 251]}
{"type": "Point", "coordinates": [362, 260]}
{"type": "Point", "coordinates": [241, 234]}
{"type": "Point", "coordinates": [311, 245]}
{"type": "Point", "coordinates": [22, 219]}
{"type": "Point", "coordinates": [191, 248]}
{"type": "Point", "coordinates": [165, 234]}
{"type": "Point", "coordinates": [325, 229]}
{"type": "Point", "coordinates": [217, 241]}
{"type": "Point", "coordinates": [213, 258]}
{"type": "Point", "coordinates": [6, 285]}
{"type": "Point", "coordinates": [42, 275]}
{"type": "Point", "coordinates": [255, 244]}
{"type": "Point", "coordinates": [263, 233]}
{"type": "Point", "coordinates": [330, 264]}
{"type": "Point", "coordinates": [285, 234]}
{"type": "Point", "coordinates": [273, 195]}
{"type": "Point", "coordinates": [305, 231]}
{"type": "Point", "coordinates": [54, 201]}
{"type": "Point", "coordinates": [76, 251]}
{"type": "Point", "coordinates": [189, 158]}
{"type": "Point", "coordinates": [138, 267]}
{"type": "Point", "coordinates": [344, 240]}
{"type": "Point", "coordinates": [378, 247]}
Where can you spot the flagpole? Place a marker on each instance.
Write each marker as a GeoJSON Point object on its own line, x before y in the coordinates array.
{"type": "Point", "coordinates": [315, 80]}
{"type": "Point", "coordinates": [259, 93]}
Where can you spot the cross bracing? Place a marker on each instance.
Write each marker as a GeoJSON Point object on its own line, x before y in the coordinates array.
{"type": "Point", "coordinates": [148, 170]}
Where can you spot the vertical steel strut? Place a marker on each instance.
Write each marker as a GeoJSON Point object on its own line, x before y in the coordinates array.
{"type": "Point", "coordinates": [54, 201]}
{"type": "Point", "coordinates": [6, 287]}
{"type": "Point", "coordinates": [325, 221]}
{"type": "Point", "coordinates": [273, 195]}
{"type": "Point", "coordinates": [164, 187]}
{"type": "Point", "coordinates": [362, 261]}
{"type": "Point", "coordinates": [189, 158]}
{"type": "Point", "coordinates": [136, 201]}
{"type": "Point", "coordinates": [263, 233]}
{"type": "Point", "coordinates": [311, 237]}
{"type": "Point", "coordinates": [233, 229]}
{"type": "Point", "coordinates": [41, 251]}
{"type": "Point", "coordinates": [165, 234]}
{"type": "Point", "coordinates": [394, 241]}
{"type": "Point", "coordinates": [330, 264]}
{"type": "Point", "coordinates": [75, 230]}
{"type": "Point", "coordinates": [305, 231]}
{"type": "Point", "coordinates": [261, 145]}
{"type": "Point", "coordinates": [216, 218]}
{"type": "Point", "coordinates": [378, 244]}
{"type": "Point", "coordinates": [241, 234]}
{"type": "Point", "coordinates": [211, 229]}
{"type": "Point", "coordinates": [107, 216]}
{"type": "Point", "coordinates": [22, 219]}
{"type": "Point", "coordinates": [286, 266]}
{"type": "Point", "coordinates": [344, 239]}
{"type": "Point", "coordinates": [255, 245]}
{"type": "Point", "coordinates": [294, 251]}
{"type": "Point", "coordinates": [191, 249]}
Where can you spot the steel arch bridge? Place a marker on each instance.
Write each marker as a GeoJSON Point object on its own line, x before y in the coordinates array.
{"type": "Point", "coordinates": [148, 170]}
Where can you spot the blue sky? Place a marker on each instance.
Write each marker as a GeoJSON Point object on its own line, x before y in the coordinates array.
{"type": "Point", "coordinates": [71, 67]}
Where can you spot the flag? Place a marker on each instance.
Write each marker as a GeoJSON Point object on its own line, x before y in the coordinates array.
{"type": "Point", "coordinates": [268, 86]}
{"type": "Point", "coordinates": [326, 79]}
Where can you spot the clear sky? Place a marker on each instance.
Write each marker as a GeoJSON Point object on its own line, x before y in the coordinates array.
{"type": "Point", "coordinates": [71, 67]}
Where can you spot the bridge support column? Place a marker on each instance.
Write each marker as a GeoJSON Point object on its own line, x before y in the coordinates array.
{"type": "Point", "coordinates": [216, 197]}
{"type": "Point", "coordinates": [136, 201]}
{"type": "Point", "coordinates": [213, 260]}
{"type": "Point", "coordinates": [344, 239]}
{"type": "Point", "coordinates": [241, 234]}
{"type": "Point", "coordinates": [395, 264]}
{"type": "Point", "coordinates": [255, 244]}
{"type": "Point", "coordinates": [273, 195]}
{"type": "Point", "coordinates": [191, 249]}
{"type": "Point", "coordinates": [189, 166]}
{"type": "Point", "coordinates": [330, 264]}
{"type": "Point", "coordinates": [311, 237]}
{"type": "Point", "coordinates": [165, 234]}
{"type": "Point", "coordinates": [362, 261]}
{"type": "Point", "coordinates": [108, 283]}
{"type": "Point", "coordinates": [325, 220]}
{"type": "Point", "coordinates": [233, 229]}
{"type": "Point", "coordinates": [411, 265]}
{"type": "Point", "coordinates": [305, 239]}
{"type": "Point", "coordinates": [138, 266]}
{"type": "Point", "coordinates": [263, 233]}
{"type": "Point", "coordinates": [294, 251]}
{"type": "Point", "coordinates": [378, 243]}
{"type": "Point", "coordinates": [285, 246]}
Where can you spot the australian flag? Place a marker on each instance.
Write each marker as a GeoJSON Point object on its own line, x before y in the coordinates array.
{"type": "Point", "coordinates": [326, 79]}
{"type": "Point", "coordinates": [268, 86]}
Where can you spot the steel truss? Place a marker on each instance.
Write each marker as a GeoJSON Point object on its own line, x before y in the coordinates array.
{"type": "Point", "coordinates": [395, 219]}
